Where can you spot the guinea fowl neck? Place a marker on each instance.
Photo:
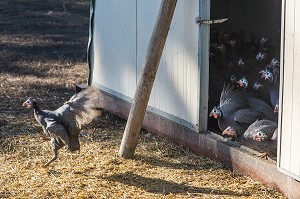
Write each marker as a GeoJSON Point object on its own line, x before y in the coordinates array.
{"type": "Point", "coordinates": [37, 109]}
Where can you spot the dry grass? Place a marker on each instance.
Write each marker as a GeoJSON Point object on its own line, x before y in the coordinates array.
{"type": "Point", "coordinates": [44, 57]}
{"type": "Point", "coordinates": [160, 169]}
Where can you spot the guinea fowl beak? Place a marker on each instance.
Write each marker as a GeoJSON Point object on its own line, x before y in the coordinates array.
{"type": "Point", "coordinates": [211, 114]}
{"type": "Point", "coordinates": [240, 83]}
{"type": "Point", "coordinates": [258, 138]}
{"type": "Point", "coordinates": [26, 105]}
{"type": "Point", "coordinates": [230, 132]}
{"type": "Point", "coordinates": [263, 74]}
{"type": "Point", "coordinates": [276, 109]}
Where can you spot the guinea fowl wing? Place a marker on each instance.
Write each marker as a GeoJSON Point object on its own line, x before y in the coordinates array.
{"type": "Point", "coordinates": [80, 110]}
{"type": "Point", "coordinates": [231, 100]}
{"type": "Point", "coordinates": [239, 120]}
{"type": "Point", "coordinates": [247, 116]}
{"type": "Point", "coordinates": [260, 105]}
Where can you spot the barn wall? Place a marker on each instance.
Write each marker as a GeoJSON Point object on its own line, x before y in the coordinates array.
{"type": "Point", "coordinates": [122, 30]}
{"type": "Point", "coordinates": [289, 140]}
{"type": "Point", "coordinates": [114, 36]}
{"type": "Point", "coordinates": [175, 89]}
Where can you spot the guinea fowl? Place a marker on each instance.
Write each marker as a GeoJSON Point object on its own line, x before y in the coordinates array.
{"type": "Point", "coordinates": [256, 103]}
{"type": "Point", "coordinates": [233, 110]}
{"type": "Point", "coordinates": [261, 130]}
{"type": "Point", "coordinates": [239, 120]}
{"type": "Point", "coordinates": [63, 125]}
{"type": "Point", "coordinates": [273, 78]}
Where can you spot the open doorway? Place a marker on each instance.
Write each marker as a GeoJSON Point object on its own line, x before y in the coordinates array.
{"type": "Point", "coordinates": [245, 53]}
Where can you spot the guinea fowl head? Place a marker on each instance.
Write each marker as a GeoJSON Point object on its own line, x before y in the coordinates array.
{"type": "Point", "coordinates": [263, 41]}
{"type": "Point", "coordinates": [243, 83]}
{"type": "Point", "coordinates": [260, 136]}
{"type": "Point", "coordinates": [274, 66]}
{"type": "Point", "coordinates": [221, 48]}
{"type": "Point", "coordinates": [215, 112]}
{"type": "Point", "coordinates": [29, 103]}
{"type": "Point", "coordinates": [264, 44]}
{"type": "Point", "coordinates": [240, 62]}
{"type": "Point", "coordinates": [274, 62]}
{"type": "Point", "coordinates": [257, 86]}
{"type": "Point", "coordinates": [232, 43]}
{"type": "Point", "coordinates": [267, 75]}
{"type": "Point", "coordinates": [233, 79]}
{"type": "Point", "coordinates": [261, 57]}
{"type": "Point", "coordinates": [230, 131]}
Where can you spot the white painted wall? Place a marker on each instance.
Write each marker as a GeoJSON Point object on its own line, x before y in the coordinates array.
{"type": "Point", "coordinates": [114, 46]}
{"type": "Point", "coordinates": [122, 30]}
{"type": "Point", "coordinates": [176, 86]}
{"type": "Point", "coordinates": [289, 157]}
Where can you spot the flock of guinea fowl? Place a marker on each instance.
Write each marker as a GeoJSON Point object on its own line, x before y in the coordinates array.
{"type": "Point", "coordinates": [246, 77]}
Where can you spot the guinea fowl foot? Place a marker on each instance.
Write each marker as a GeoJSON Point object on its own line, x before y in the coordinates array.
{"type": "Point", "coordinates": [43, 138]}
{"type": "Point", "coordinates": [264, 155]}
{"type": "Point", "coordinates": [53, 158]}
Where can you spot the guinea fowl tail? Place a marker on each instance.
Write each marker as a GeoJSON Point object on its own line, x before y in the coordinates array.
{"type": "Point", "coordinates": [74, 144]}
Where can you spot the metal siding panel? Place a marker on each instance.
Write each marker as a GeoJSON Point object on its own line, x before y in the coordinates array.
{"type": "Point", "coordinates": [295, 147]}
{"type": "Point", "coordinates": [287, 87]}
{"type": "Point", "coordinates": [175, 90]}
{"type": "Point", "coordinates": [289, 151]}
{"type": "Point", "coordinates": [114, 46]}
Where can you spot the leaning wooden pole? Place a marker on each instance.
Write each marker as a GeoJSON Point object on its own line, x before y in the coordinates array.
{"type": "Point", "coordinates": [144, 87]}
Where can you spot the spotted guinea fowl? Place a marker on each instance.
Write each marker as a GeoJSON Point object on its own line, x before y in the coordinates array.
{"type": "Point", "coordinates": [261, 130]}
{"type": "Point", "coordinates": [233, 110]}
{"type": "Point", "coordinates": [257, 103]}
{"type": "Point", "coordinates": [271, 73]}
{"type": "Point", "coordinates": [63, 125]}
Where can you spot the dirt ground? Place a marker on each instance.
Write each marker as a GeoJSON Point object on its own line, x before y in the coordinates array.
{"type": "Point", "coordinates": [43, 55]}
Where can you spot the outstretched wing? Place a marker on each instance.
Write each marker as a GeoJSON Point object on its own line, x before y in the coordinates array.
{"type": "Point", "coordinates": [232, 99]}
{"type": "Point", "coordinates": [80, 110]}
{"type": "Point", "coordinates": [86, 105]}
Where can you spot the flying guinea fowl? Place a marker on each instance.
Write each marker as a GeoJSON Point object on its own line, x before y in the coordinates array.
{"type": "Point", "coordinates": [63, 125]}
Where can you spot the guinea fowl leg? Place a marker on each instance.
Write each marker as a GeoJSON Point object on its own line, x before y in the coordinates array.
{"type": "Point", "coordinates": [43, 136]}
{"type": "Point", "coordinates": [55, 145]}
{"type": "Point", "coordinates": [264, 155]}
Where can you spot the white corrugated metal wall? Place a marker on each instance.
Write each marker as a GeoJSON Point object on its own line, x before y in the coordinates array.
{"type": "Point", "coordinates": [289, 156]}
{"type": "Point", "coordinates": [122, 30]}
{"type": "Point", "coordinates": [114, 46]}
{"type": "Point", "coordinates": [176, 84]}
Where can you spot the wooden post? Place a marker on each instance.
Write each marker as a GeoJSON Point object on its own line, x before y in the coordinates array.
{"type": "Point", "coordinates": [144, 87]}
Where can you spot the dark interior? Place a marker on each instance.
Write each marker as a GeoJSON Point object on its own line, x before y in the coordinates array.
{"type": "Point", "coordinates": [254, 26]}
